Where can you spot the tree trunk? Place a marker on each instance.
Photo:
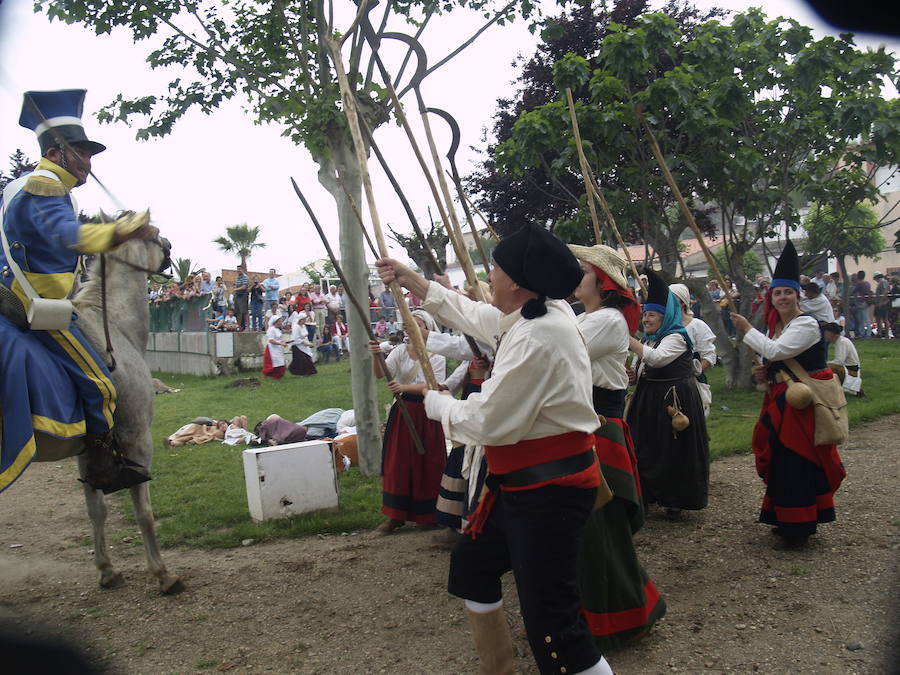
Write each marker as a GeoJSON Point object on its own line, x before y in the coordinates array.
{"type": "Point", "coordinates": [342, 162]}
{"type": "Point", "coordinates": [845, 294]}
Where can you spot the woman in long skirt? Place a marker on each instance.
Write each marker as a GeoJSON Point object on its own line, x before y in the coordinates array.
{"type": "Point", "coordinates": [273, 356]}
{"type": "Point", "coordinates": [410, 479]}
{"type": "Point", "coordinates": [801, 477]}
{"type": "Point", "coordinates": [665, 413]}
{"type": "Point", "coordinates": [703, 340]}
{"type": "Point", "coordinates": [621, 602]}
{"type": "Point", "coordinates": [301, 346]}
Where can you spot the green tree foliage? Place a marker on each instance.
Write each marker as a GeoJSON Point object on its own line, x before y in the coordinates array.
{"type": "Point", "coordinates": [855, 233]}
{"type": "Point", "coordinates": [182, 268]}
{"type": "Point", "coordinates": [549, 188]}
{"type": "Point", "coordinates": [755, 118]}
{"type": "Point", "coordinates": [240, 240]}
{"type": "Point", "coordinates": [318, 270]}
{"type": "Point", "coordinates": [18, 165]}
{"type": "Point", "coordinates": [752, 264]}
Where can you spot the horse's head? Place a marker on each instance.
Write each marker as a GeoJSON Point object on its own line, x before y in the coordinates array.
{"type": "Point", "coordinates": [150, 255]}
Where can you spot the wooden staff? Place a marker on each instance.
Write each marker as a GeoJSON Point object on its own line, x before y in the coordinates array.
{"type": "Point", "coordinates": [457, 181]}
{"type": "Point", "coordinates": [448, 221]}
{"type": "Point", "coordinates": [593, 192]}
{"type": "Point", "coordinates": [423, 242]}
{"type": "Point", "coordinates": [582, 160]}
{"type": "Point", "coordinates": [657, 153]}
{"type": "Point", "coordinates": [480, 215]}
{"type": "Point", "coordinates": [401, 404]}
{"type": "Point", "coordinates": [351, 112]}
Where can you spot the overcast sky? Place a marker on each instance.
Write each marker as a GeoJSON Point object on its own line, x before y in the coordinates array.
{"type": "Point", "coordinates": [220, 170]}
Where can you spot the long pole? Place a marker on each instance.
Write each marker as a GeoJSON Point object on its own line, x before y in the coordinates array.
{"type": "Point", "coordinates": [593, 192]}
{"type": "Point", "coordinates": [351, 112]}
{"type": "Point", "coordinates": [401, 404]}
{"type": "Point", "coordinates": [582, 161]}
{"type": "Point", "coordinates": [685, 210]}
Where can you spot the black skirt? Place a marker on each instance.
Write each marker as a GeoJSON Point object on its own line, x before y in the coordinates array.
{"type": "Point", "coordinates": [301, 364]}
{"type": "Point", "coordinates": [673, 465]}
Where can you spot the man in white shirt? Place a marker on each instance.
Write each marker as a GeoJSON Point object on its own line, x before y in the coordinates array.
{"type": "Point", "coordinates": [535, 418]}
{"type": "Point", "coordinates": [816, 304]}
{"type": "Point", "coordinates": [846, 359]}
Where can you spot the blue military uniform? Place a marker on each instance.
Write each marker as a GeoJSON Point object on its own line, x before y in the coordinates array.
{"type": "Point", "coordinates": [51, 381]}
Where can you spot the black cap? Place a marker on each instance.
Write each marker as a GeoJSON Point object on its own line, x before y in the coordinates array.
{"type": "Point", "coordinates": [537, 260]}
{"type": "Point", "coordinates": [833, 327]}
{"type": "Point", "coordinates": [812, 288]}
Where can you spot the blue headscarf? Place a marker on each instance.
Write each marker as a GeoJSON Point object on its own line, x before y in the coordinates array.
{"type": "Point", "coordinates": [671, 322]}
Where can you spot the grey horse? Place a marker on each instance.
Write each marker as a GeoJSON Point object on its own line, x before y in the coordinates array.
{"type": "Point", "coordinates": [128, 316]}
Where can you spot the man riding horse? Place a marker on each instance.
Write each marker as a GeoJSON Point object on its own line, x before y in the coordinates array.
{"type": "Point", "coordinates": [51, 379]}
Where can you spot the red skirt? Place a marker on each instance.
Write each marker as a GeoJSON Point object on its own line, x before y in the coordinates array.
{"type": "Point", "coordinates": [411, 481]}
{"type": "Point", "coordinates": [801, 478]}
{"type": "Point", "coordinates": [268, 369]}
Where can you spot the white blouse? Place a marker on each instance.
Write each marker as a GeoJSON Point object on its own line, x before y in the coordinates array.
{"type": "Point", "coordinates": [704, 340]}
{"type": "Point", "coordinates": [845, 352]}
{"type": "Point", "coordinates": [406, 370]}
{"type": "Point", "coordinates": [540, 385]}
{"type": "Point", "coordinates": [300, 338]}
{"type": "Point", "coordinates": [798, 336]}
{"type": "Point", "coordinates": [276, 352]}
{"type": "Point", "coordinates": [606, 336]}
{"type": "Point", "coordinates": [669, 348]}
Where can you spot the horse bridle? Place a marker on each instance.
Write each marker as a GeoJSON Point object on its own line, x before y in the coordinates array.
{"type": "Point", "coordinates": [166, 263]}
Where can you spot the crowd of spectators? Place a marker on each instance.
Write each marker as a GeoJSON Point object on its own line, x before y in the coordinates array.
{"type": "Point", "coordinates": [251, 301]}
{"type": "Point", "coordinates": [872, 309]}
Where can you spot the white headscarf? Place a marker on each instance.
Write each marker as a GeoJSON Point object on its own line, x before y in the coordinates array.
{"type": "Point", "coordinates": [273, 319]}
{"type": "Point", "coordinates": [430, 323]}
{"type": "Point", "coordinates": [684, 296]}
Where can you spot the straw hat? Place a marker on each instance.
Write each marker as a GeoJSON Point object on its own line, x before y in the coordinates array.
{"type": "Point", "coordinates": [604, 257]}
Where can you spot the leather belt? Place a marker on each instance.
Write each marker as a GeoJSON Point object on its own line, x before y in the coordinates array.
{"type": "Point", "coordinates": [540, 473]}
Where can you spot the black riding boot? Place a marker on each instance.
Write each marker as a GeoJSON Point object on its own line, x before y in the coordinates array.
{"type": "Point", "coordinates": [107, 468]}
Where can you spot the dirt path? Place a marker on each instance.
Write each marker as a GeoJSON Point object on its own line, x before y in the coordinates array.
{"type": "Point", "coordinates": [357, 604]}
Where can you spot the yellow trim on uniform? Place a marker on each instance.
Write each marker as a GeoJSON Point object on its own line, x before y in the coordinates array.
{"type": "Point", "coordinates": [54, 286]}
{"type": "Point", "coordinates": [95, 237]}
{"type": "Point", "coordinates": [13, 470]}
{"type": "Point", "coordinates": [56, 428]}
{"type": "Point", "coordinates": [67, 179]}
{"type": "Point", "coordinates": [83, 360]}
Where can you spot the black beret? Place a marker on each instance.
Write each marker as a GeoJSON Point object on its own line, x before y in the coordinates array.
{"type": "Point", "coordinates": [537, 260]}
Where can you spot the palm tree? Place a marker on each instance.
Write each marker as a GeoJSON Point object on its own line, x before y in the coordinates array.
{"type": "Point", "coordinates": [241, 240]}
{"type": "Point", "coordinates": [182, 269]}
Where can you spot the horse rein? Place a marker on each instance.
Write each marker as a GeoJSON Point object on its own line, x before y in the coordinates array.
{"type": "Point", "coordinates": [164, 265]}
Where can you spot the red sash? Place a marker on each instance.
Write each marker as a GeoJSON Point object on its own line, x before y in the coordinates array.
{"type": "Point", "coordinates": [503, 459]}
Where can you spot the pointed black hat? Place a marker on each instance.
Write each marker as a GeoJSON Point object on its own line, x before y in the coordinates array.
{"type": "Point", "coordinates": [787, 269]}
{"type": "Point", "coordinates": [657, 292]}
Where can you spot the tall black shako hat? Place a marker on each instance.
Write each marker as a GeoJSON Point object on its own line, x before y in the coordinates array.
{"type": "Point", "coordinates": [657, 292]}
{"type": "Point", "coordinates": [55, 117]}
{"type": "Point", "coordinates": [537, 260]}
{"type": "Point", "coordinates": [787, 269]}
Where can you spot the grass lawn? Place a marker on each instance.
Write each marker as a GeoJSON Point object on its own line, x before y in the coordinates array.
{"type": "Point", "coordinates": [198, 491]}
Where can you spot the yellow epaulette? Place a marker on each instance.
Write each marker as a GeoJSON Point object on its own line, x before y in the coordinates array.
{"type": "Point", "coordinates": [44, 187]}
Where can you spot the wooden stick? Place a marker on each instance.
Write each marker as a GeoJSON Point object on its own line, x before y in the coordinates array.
{"type": "Point", "coordinates": [593, 192]}
{"type": "Point", "coordinates": [401, 404]}
{"type": "Point", "coordinates": [453, 228]}
{"type": "Point", "coordinates": [607, 212]}
{"type": "Point", "coordinates": [582, 160]}
{"type": "Point", "coordinates": [685, 209]}
{"type": "Point", "coordinates": [480, 215]}
{"type": "Point", "coordinates": [351, 112]}
{"type": "Point", "coordinates": [657, 153]}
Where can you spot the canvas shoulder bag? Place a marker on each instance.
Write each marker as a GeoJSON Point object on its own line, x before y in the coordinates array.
{"type": "Point", "coordinates": [829, 405]}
